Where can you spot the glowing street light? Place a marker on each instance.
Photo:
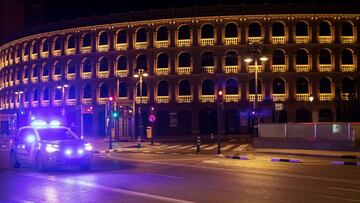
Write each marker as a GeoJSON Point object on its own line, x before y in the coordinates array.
{"type": "Point", "coordinates": [62, 88]}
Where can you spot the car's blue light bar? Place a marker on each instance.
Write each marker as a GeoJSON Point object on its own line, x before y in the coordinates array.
{"type": "Point", "coordinates": [41, 123]}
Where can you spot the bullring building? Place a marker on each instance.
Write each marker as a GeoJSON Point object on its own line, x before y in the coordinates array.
{"type": "Point", "coordinates": [189, 54]}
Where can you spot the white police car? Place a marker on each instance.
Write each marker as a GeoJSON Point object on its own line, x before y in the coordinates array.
{"type": "Point", "coordinates": [49, 145]}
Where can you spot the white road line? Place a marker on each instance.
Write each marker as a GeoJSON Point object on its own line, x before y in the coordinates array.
{"type": "Point", "coordinates": [173, 146]}
{"type": "Point", "coordinates": [211, 147]}
{"type": "Point", "coordinates": [211, 161]}
{"type": "Point", "coordinates": [227, 146]}
{"type": "Point", "coordinates": [146, 151]}
{"type": "Point", "coordinates": [241, 147]}
{"type": "Point", "coordinates": [341, 198]}
{"type": "Point", "coordinates": [186, 146]}
{"type": "Point", "coordinates": [160, 152]}
{"type": "Point", "coordinates": [166, 176]}
{"type": "Point", "coordinates": [344, 189]}
{"type": "Point", "coordinates": [103, 187]}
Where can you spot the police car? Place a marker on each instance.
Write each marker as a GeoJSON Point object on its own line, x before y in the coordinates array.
{"type": "Point", "coordinates": [48, 145]}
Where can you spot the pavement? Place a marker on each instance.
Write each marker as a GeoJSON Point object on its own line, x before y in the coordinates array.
{"type": "Point", "coordinates": [228, 148]}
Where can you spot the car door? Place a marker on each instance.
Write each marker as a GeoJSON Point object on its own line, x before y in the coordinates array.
{"type": "Point", "coordinates": [27, 142]}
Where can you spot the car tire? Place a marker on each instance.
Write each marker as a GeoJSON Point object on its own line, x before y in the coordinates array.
{"type": "Point", "coordinates": [85, 167]}
{"type": "Point", "coordinates": [13, 160]}
{"type": "Point", "coordinates": [39, 163]}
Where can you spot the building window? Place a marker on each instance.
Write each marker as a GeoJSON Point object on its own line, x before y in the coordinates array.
{"type": "Point", "coordinates": [57, 46]}
{"type": "Point", "coordinates": [143, 91]}
{"type": "Point", "coordinates": [163, 88]}
{"type": "Point", "coordinates": [71, 67]}
{"type": "Point", "coordinates": [104, 64]}
{"type": "Point", "coordinates": [231, 58]}
{"type": "Point", "coordinates": [162, 34]}
{"type": "Point", "coordinates": [278, 29]}
{"type": "Point", "coordinates": [184, 88]}
{"type": "Point", "coordinates": [121, 37]}
{"type": "Point", "coordinates": [72, 92]}
{"type": "Point", "coordinates": [141, 35]}
{"type": "Point", "coordinates": [252, 87]}
{"type": "Point", "coordinates": [325, 57]}
{"type": "Point", "coordinates": [45, 69]}
{"type": "Point", "coordinates": [58, 94]}
{"type": "Point", "coordinates": [35, 72]}
{"type": "Point", "coordinates": [46, 94]}
{"type": "Point", "coordinates": [141, 62]}
{"type": "Point", "coordinates": [278, 86]}
{"type": "Point", "coordinates": [207, 87]}
{"type": "Point", "coordinates": [302, 29]}
{"type": "Point", "coordinates": [347, 29]}
{"type": "Point", "coordinates": [302, 86]}
{"type": "Point", "coordinates": [87, 66]}
{"type": "Point", "coordinates": [162, 61]}
{"type": "Point", "coordinates": [231, 30]}
{"type": "Point", "coordinates": [207, 31]}
{"type": "Point", "coordinates": [36, 95]}
{"type": "Point", "coordinates": [104, 38]}
{"type": "Point", "coordinates": [184, 60]}
{"type": "Point", "coordinates": [302, 57]}
{"type": "Point", "coordinates": [231, 87]}
{"type": "Point", "coordinates": [325, 85]}
{"type": "Point", "coordinates": [87, 40]}
{"type": "Point", "coordinates": [184, 32]}
{"type": "Point", "coordinates": [324, 29]}
{"type": "Point", "coordinates": [347, 57]}
{"type": "Point", "coordinates": [87, 93]}
{"type": "Point", "coordinates": [278, 57]}
{"type": "Point", "coordinates": [207, 59]}
{"type": "Point", "coordinates": [35, 48]}
{"type": "Point", "coordinates": [71, 42]}
{"type": "Point", "coordinates": [123, 90]}
{"type": "Point", "coordinates": [57, 70]}
{"type": "Point", "coordinates": [45, 45]}
{"type": "Point", "coordinates": [122, 63]}
{"type": "Point", "coordinates": [104, 91]}
{"type": "Point", "coordinates": [254, 30]}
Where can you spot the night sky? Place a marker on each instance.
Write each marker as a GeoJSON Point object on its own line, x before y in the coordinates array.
{"type": "Point", "coordinates": [56, 10]}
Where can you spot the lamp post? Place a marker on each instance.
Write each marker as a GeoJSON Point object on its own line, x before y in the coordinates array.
{"type": "Point", "coordinates": [20, 112]}
{"type": "Point", "coordinates": [311, 99]}
{"type": "Point", "coordinates": [62, 88]}
{"type": "Point", "coordinates": [140, 74]}
{"type": "Point", "coordinates": [256, 53]}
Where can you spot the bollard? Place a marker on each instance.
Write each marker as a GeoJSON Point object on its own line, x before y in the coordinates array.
{"type": "Point", "coordinates": [198, 142]}
{"type": "Point", "coordinates": [139, 142]}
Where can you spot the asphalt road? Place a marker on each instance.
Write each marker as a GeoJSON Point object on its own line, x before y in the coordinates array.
{"type": "Point", "coordinates": [152, 177]}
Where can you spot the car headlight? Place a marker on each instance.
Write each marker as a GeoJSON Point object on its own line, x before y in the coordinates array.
{"type": "Point", "coordinates": [88, 147]}
{"type": "Point", "coordinates": [50, 148]}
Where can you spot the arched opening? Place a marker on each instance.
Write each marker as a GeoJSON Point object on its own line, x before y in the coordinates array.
{"type": "Point", "coordinates": [278, 86]}
{"type": "Point", "coordinates": [104, 64]}
{"type": "Point", "coordinates": [207, 122]}
{"type": "Point", "coordinates": [325, 85]}
{"type": "Point", "coordinates": [231, 87]}
{"type": "Point", "coordinates": [302, 86]}
{"type": "Point", "coordinates": [144, 89]}
{"type": "Point", "coordinates": [254, 29]}
{"type": "Point", "coordinates": [87, 66]}
{"type": "Point", "coordinates": [104, 91]}
{"type": "Point", "coordinates": [324, 29]}
{"type": "Point", "coordinates": [252, 88]}
{"type": "Point", "coordinates": [347, 57]}
{"type": "Point", "coordinates": [207, 59]}
{"type": "Point", "coordinates": [278, 29]}
{"type": "Point", "coordinates": [35, 73]}
{"type": "Point", "coordinates": [35, 48]}
{"type": "Point", "coordinates": [185, 59]}
{"type": "Point", "coordinates": [162, 33]}
{"type": "Point", "coordinates": [184, 32]}
{"type": "Point", "coordinates": [325, 56]}
{"type": "Point", "coordinates": [57, 44]}
{"type": "Point", "coordinates": [207, 87]}
{"type": "Point", "coordinates": [45, 70]}
{"type": "Point", "coordinates": [302, 57]}
{"type": "Point", "coordinates": [46, 94]}
{"type": "Point", "coordinates": [231, 30]}
{"type": "Point", "coordinates": [207, 31]}
{"type": "Point", "coordinates": [71, 67]}
{"type": "Point", "coordinates": [184, 88]}
{"type": "Point", "coordinates": [45, 46]}
{"type": "Point", "coordinates": [104, 38]}
{"type": "Point", "coordinates": [57, 70]}
{"type": "Point", "coordinates": [141, 62]}
{"type": "Point", "coordinates": [72, 92]}
{"type": "Point", "coordinates": [71, 42]}
{"type": "Point", "coordinates": [121, 37]}
{"type": "Point", "coordinates": [122, 63]}
{"type": "Point", "coordinates": [348, 86]}
{"type": "Point", "coordinates": [303, 116]}
{"type": "Point", "coordinates": [87, 92]}
{"type": "Point", "coordinates": [326, 115]}
{"type": "Point", "coordinates": [184, 122]}
{"type": "Point", "coordinates": [141, 35]}
{"type": "Point", "coordinates": [35, 95]}
{"type": "Point", "coordinates": [232, 122]}
{"type": "Point", "coordinates": [163, 88]}
{"type": "Point", "coordinates": [231, 58]}
{"type": "Point", "coordinates": [347, 29]}
{"type": "Point", "coordinates": [123, 90]}
{"type": "Point", "coordinates": [87, 40]}
{"type": "Point", "coordinates": [278, 57]}
{"type": "Point", "coordinates": [58, 94]}
{"type": "Point", "coordinates": [162, 60]}
{"type": "Point", "coordinates": [302, 29]}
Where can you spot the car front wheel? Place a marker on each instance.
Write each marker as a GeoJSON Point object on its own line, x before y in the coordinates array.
{"type": "Point", "coordinates": [13, 160]}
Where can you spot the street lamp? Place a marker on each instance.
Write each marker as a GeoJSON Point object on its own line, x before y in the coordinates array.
{"type": "Point", "coordinates": [62, 88]}
{"type": "Point", "coordinates": [140, 74]}
{"type": "Point", "coordinates": [311, 99]}
{"type": "Point", "coordinates": [19, 93]}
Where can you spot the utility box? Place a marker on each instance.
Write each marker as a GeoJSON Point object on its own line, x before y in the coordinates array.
{"type": "Point", "coordinates": [149, 132]}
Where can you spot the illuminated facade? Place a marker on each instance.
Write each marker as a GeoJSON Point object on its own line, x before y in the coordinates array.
{"type": "Point", "coordinates": [189, 59]}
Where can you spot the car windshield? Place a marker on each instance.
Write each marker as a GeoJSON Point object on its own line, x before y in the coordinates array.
{"type": "Point", "coordinates": [56, 134]}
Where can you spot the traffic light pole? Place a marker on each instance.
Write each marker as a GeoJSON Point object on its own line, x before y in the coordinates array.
{"type": "Point", "coordinates": [219, 107]}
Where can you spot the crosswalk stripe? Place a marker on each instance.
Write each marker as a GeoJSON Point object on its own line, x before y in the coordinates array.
{"type": "Point", "coordinates": [211, 147]}
{"type": "Point", "coordinates": [186, 146]}
{"type": "Point", "coordinates": [172, 147]}
{"type": "Point", "coordinates": [228, 146]}
{"type": "Point", "coordinates": [241, 147]}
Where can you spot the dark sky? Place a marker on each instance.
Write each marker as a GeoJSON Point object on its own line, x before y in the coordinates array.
{"type": "Point", "coordinates": [56, 10]}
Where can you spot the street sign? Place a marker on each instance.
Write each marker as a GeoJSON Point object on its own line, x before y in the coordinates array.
{"type": "Point", "coordinates": [152, 118]}
{"type": "Point", "coordinates": [279, 106]}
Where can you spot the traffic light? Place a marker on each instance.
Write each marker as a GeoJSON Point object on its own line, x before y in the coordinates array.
{"type": "Point", "coordinates": [115, 114]}
{"type": "Point", "coordinates": [220, 96]}
{"type": "Point", "coordinates": [111, 99]}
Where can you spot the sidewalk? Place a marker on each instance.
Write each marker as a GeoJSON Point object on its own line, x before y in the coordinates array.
{"type": "Point", "coordinates": [318, 153]}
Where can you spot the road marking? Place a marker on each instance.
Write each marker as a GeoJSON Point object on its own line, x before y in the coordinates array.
{"type": "Point", "coordinates": [341, 198]}
{"type": "Point", "coordinates": [166, 176]}
{"type": "Point", "coordinates": [211, 147]}
{"type": "Point", "coordinates": [241, 147]}
{"type": "Point", "coordinates": [146, 151]}
{"type": "Point", "coordinates": [186, 146]}
{"type": "Point", "coordinates": [173, 146]}
{"type": "Point", "coordinates": [102, 187]}
{"type": "Point", "coordinates": [227, 147]}
{"type": "Point", "coordinates": [249, 171]}
{"type": "Point", "coordinates": [211, 161]}
{"type": "Point", "coordinates": [344, 189]}
{"type": "Point", "coordinates": [160, 152]}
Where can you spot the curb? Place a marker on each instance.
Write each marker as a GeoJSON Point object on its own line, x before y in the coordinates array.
{"type": "Point", "coordinates": [237, 157]}
{"type": "Point", "coordinates": [349, 163]}
{"type": "Point", "coordinates": [313, 155]}
{"type": "Point", "coordinates": [286, 160]}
